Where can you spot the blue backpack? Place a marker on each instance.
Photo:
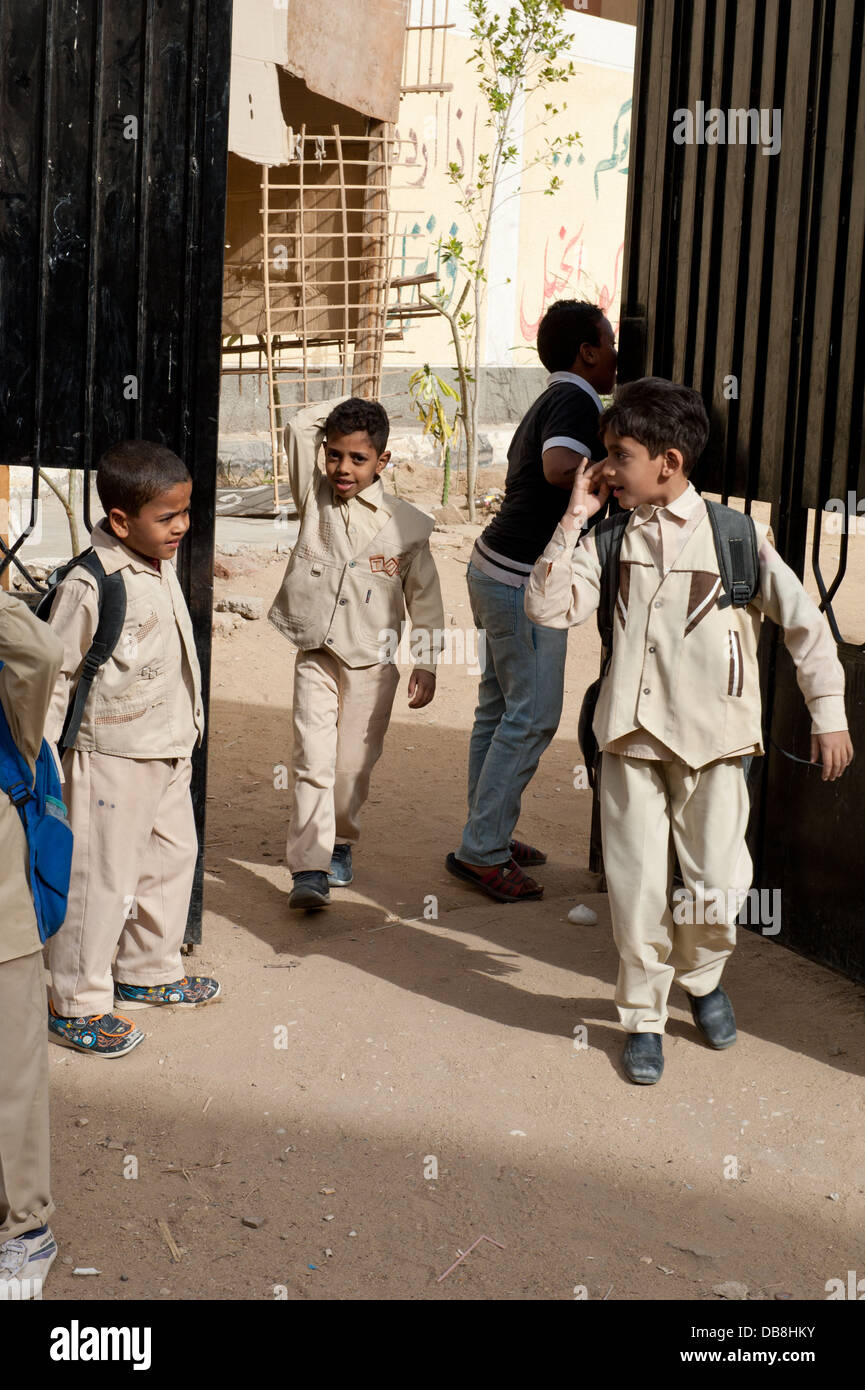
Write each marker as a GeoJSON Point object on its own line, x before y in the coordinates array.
{"type": "Point", "coordinates": [43, 815]}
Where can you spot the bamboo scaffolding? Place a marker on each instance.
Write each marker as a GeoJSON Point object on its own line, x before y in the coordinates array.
{"type": "Point", "coordinates": [268, 343]}
{"type": "Point", "coordinates": [427, 37]}
{"type": "Point", "coordinates": [345, 261]}
{"type": "Point", "coordinates": [302, 231]}
{"type": "Point", "coordinates": [328, 314]}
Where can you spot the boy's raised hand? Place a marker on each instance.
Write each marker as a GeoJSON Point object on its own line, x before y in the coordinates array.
{"type": "Point", "coordinates": [588, 495]}
{"type": "Point", "coordinates": [421, 688]}
{"type": "Point", "coordinates": [834, 751]}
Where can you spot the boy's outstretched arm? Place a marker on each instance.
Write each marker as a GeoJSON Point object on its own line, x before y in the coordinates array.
{"type": "Point", "coordinates": [564, 587]}
{"type": "Point", "coordinates": [819, 673]}
{"type": "Point", "coordinates": [423, 599]}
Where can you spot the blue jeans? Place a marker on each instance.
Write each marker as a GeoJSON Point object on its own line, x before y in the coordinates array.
{"type": "Point", "coordinates": [519, 707]}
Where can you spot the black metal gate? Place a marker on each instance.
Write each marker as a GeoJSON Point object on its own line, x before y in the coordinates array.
{"type": "Point", "coordinates": [113, 137]}
{"type": "Point", "coordinates": [745, 277]}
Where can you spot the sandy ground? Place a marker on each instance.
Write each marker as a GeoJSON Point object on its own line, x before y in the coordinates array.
{"type": "Point", "coordinates": [417, 1083]}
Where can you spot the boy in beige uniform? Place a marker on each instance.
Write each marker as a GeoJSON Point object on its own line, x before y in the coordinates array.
{"type": "Point", "coordinates": [31, 656]}
{"type": "Point", "coordinates": [127, 775]}
{"type": "Point", "coordinates": [678, 709]}
{"type": "Point", "coordinates": [362, 558]}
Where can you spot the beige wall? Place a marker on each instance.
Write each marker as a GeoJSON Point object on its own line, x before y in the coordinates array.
{"type": "Point", "coordinates": [544, 248]}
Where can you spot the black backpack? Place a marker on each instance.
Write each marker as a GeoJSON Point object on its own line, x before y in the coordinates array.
{"type": "Point", "coordinates": [736, 548]}
{"type": "Point", "coordinates": [112, 615]}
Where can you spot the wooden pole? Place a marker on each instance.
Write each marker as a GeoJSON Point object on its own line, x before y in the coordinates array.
{"type": "Point", "coordinates": [374, 278]}
{"type": "Point", "coordinates": [275, 442]}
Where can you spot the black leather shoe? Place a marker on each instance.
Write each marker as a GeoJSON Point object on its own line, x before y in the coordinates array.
{"type": "Point", "coordinates": [713, 1015]}
{"type": "Point", "coordinates": [643, 1058]}
{"type": "Point", "coordinates": [310, 890]}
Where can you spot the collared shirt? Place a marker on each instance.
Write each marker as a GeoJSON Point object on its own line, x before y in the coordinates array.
{"type": "Point", "coordinates": [667, 527]}
{"type": "Point", "coordinates": [364, 515]}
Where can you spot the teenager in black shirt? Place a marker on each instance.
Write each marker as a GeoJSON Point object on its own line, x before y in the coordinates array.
{"type": "Point", "coordinates": [522, 685]}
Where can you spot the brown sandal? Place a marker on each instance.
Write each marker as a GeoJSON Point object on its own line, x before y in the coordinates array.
{"type": "Point", "coordinates": [505, 882]}
{"type": "Point", "coordinates": [526, 854]}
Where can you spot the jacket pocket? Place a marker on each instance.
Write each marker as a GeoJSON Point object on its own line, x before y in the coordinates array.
{"type": "Point", "coordinates": [735, 665]}
{"type": "Point", "coordinates": [304, 604]}
{"type": "Point", "coordinates": [377, 607]}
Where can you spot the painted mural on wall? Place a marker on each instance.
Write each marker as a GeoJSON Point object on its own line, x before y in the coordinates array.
{"type": "Point", "coordinates": [545, 247]}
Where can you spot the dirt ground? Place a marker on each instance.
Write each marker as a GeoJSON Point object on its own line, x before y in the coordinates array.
{"type": "Point", "coordinates": [417, 1079]}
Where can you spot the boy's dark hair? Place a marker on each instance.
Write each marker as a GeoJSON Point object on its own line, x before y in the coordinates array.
{"type": "Point", "coordinates": [660, 415]}
{"type": "Point", "coordinates": [135, 471]}
{"type": "Point", "coordinates": [357, 414]}
{"type": "Point", "coordinates": [564, 328]}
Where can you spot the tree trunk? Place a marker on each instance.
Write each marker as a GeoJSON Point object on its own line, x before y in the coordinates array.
{"type": "Point", "coordinates": [67, 501]}
{"type": "Point", "coordinates": [446, 485]}
{"type": "Point", "coordinates": [465, 409]}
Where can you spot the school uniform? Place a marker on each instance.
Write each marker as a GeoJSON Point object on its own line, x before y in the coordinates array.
{"type": "Point", "coordinates": [127, 783]}
{"type": "Point", "coordinates": [359, 564]}
{"type": "Point", "coordinates": [677, 712]}
{"type": "Point", "coordinates": [32, 658]}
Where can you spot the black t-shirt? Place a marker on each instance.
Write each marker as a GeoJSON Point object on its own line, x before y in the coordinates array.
{"type": "Point", "coordinates": [564, 414]}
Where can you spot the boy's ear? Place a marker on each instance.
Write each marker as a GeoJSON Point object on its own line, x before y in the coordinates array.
{"type": "Point", "coordinates": [119, 523]}
{"type": "Point", "coordinates": [382, 462]}
{"type": "Point", "coordinates": [588, 354]}
{"type": "Point", "coordinates": [673, 463]}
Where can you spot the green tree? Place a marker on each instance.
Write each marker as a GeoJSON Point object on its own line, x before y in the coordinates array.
{"type": "Point", "coordinates": [515, 56]}
{"type": "Point", "coordinates": [429, 395]}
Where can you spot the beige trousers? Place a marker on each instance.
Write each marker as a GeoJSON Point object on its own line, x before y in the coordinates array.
{"type": "Point", "coordinates": [132, 869]}
{"type": "Point", "coordinates": [649, 809]}
{"type": "Point", "coordinates": [341, 714]}
{"type": "Point", "coordinates": [25, 1194]}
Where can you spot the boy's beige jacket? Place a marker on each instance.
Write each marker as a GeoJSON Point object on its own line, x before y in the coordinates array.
{"type": "Point", "coordinates": [348, 601]}
{"type": "Point", "coordinates": [684, 665]}
{"type": "Point", "coordinates": [31, 655]}
{"type": "Point", "coordinates": [146, 700]}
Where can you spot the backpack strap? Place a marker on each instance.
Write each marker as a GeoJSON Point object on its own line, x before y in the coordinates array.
{"type": "Point", "coordinates": [112, 615]}
{"type": "Point", "coordinates": [735, 539]}
{"type": "Point", "coordinates": [86, 561]}
{"type": "Point", "coordinates": [608, 536]}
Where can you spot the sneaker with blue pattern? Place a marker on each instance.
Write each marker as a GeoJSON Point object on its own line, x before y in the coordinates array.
{"type": "Point", "coordinates": [188, 993]}
{"type": "Point", "coordinates": [102, 1035]}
